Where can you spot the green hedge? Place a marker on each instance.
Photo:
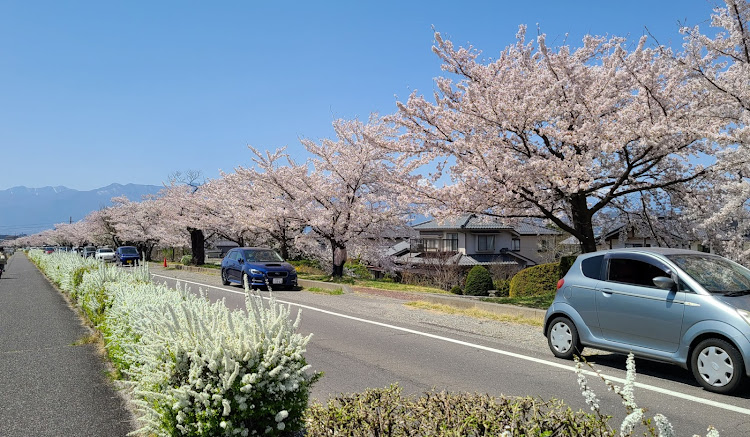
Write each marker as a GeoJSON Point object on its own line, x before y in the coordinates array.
{"type": "Point", "coordinates": [385, 412]}
{"type": "Point", "coordinates": [535, 281]}
{"type": "Point", "coordinates": [478, 282]}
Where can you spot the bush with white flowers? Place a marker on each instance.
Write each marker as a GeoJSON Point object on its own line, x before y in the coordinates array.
{"type": "Point", "coordinates": [195, 368]}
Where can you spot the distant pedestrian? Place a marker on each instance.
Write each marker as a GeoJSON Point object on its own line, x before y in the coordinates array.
{"type": "Point", "coordinates": [3, 260]}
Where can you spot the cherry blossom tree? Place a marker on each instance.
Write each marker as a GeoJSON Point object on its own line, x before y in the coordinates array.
{"type": "Point", "coordinates": [558, 133]}
{"type": "Point", "coordinates": [101, 229]}
{"type": "Point", "coordinates": [250, 213]}
{"type": "Point", "coordinates": [721, 64]}
{"type": "Point", "coordinates": [185, 209]}
{"type": "Point", "coordinates": [342, 195]}
{"type": "Point", "coordinates": [136, 223]}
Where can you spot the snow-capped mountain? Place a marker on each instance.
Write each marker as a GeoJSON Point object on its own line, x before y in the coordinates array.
{"type": "Point", "coordinates": [26, 210]}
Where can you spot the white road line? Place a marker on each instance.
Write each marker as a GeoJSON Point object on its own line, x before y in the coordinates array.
{"type": "Point", "coordinates": [664, 391]}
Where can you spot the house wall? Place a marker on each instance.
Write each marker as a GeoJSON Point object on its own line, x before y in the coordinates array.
{"type": "Point", "coordinates": [530, 248]}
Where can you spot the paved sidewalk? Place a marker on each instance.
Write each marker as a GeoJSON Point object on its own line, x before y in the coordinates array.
{"type": "Point", "coordinates": [48, 385]}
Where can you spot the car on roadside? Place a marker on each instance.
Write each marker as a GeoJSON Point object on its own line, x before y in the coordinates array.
{"type": "Point", "coordinates": [676, 306]}
{"type": "Point", "coordinates": [48, 249]}
{"type": "Point", "coordinates": [127, 255]}
{"type": "Point", "coordinates": [259, 267]}
{"type": "Point", "coordinates": [105, 254]}
{"type": "Point", "coordinates": [88, 251]}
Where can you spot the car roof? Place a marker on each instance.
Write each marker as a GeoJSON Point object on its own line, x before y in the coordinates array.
{"type": "Point", "coordinates": [663, 251]}
{"type": "Point", "coordinates": [252, 248]}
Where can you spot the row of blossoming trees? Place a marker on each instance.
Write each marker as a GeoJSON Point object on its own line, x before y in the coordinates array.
{"type": "Point", "coordinates": [569, 135]}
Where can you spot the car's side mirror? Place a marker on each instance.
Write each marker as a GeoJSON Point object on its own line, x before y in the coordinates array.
{"type": "Point", "coordinates": [664, 283]}
{"type": "Point", "coordinates": [240, 260]}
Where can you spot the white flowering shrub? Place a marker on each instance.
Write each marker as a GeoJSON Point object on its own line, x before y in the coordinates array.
{"type": "Point", "coordinates": [659, 426]}
{"type": "Point", "coordinates": [195, 368]}
{"type": "Point", "coordinates": [61, 266]}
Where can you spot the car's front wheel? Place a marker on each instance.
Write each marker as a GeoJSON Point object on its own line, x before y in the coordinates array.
{"type": "Point", "coordinates": [717, 365]}
{"type": "Point", "coordinates": [562, 337]}
{"type": "Point", "coordinates": [224, 279]}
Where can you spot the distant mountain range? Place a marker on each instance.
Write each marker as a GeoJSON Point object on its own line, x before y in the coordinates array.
{"type": "Point", "coordinates": [30, 210]}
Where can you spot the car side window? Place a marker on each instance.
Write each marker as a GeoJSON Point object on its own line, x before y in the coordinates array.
{"type": "Point", "coordinates": [634, 272]}
{"type": "Point", "coordinates": [592, 267]}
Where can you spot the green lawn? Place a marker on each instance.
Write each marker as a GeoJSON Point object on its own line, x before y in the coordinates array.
{"type": "Point", "coordinates": [335, 292]}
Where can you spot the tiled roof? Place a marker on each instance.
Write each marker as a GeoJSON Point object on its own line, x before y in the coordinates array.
{"type": "Point", "coordinates": [398, 249]}
{"type": "Point", "coordinates": [532, 229]}
{"type": "Point", "coordinates": [443, 224]}
{"type": "Point", "coordinates": [472, 222]}
{"type": "Point", "coordinates": [473, 260]}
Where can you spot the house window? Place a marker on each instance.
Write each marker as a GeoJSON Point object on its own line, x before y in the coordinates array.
{"type": "Point", "coordinates": [485, 243]}
{"type": "Point", "coordinates": [451, 241]}
{"type": "Point", "coordinates": [431, 244]}
{"type": "Point", "coordinates": [516, 244]}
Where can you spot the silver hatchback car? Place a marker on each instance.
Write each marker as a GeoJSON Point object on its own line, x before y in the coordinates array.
{"type": "Point", "coordinates": [671, 305]}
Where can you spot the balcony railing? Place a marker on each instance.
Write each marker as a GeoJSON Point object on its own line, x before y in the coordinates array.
{"type": "Point", "coordinates": [433, 245]}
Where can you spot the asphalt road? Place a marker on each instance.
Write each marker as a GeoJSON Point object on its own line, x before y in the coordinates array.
{"type": "Point", "coordinates": [48, 385]}
{"type": "Point", "coordinates": [361, 341]}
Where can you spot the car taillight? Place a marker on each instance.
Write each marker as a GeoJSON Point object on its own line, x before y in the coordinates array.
{"type": "Point", "coordinates": [560, 283]}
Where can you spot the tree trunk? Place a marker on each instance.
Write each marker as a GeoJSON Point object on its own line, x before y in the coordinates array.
{"type": "Point", "coordinates": [582, 223]}
{"type": "Point", "coordinates": [197, 246]}
{"type": "Point", "coordinates": [339, 258]}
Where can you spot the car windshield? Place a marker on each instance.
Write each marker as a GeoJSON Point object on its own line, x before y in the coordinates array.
{"type": "Point", "coordinates": [717, 275]}
{"type": "Point", "coordinates": [105, 250]}
{"type": "Point", "coordinates": [262, 256]}
{"type": "Point", "coordinates": [128, 251]}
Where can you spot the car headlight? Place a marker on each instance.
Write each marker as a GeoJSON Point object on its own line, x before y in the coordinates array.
{"type": "Point", "coordinates": [745, 315]}
{"type": "Point", "coordinates": [255, 272]}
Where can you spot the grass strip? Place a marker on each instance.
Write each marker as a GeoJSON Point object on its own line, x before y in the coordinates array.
{"type": "Point", "coordinates": [474, 312]}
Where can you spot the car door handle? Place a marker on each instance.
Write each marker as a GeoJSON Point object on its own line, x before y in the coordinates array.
{"type": "Point", "coordinates": [607, 291]}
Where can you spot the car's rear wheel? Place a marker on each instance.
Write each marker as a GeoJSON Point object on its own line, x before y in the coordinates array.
{"type": "Point", "coordinates": [224, 279]}
{"type": "Point", "coordinates": [562, 337]}
{"type": "Point", "coordinates": [717, 365]}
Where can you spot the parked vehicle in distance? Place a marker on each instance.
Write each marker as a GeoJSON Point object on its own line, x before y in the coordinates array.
{"type": "Point", "coordinates": [105, 254]}
{"type": "Point", "coordinates": [260, 266]}
{"type": "Point", "coordinates": [127, 255]}
{"type": "Point", "coordinates": [88, 251]}
{"type": "Point", "coordinates": [48, 249]}
{"type": "Point", "coordinates": [677, 306]}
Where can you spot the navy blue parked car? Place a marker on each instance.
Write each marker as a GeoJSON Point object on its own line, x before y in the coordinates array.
{"type": "Point", "coordinates": [127, 255]}
{"type": "Point", "coordinates": [260, 265]}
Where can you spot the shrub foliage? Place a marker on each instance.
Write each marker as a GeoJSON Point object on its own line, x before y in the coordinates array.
{"type": "Point", "coordinates": [535, 281]}
{"type": "Point", "coordinates": [385, 412]}
{"type": "Point", "coordinates": [194, 368]}
{"type": "Point", "coordinates": [478, 282]}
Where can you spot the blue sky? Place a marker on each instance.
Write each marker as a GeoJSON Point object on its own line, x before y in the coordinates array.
{"type": "Point", "coordinates": [93, 93]}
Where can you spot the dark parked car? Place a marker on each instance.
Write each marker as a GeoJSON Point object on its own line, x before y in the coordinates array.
{"type": "Point", "coordinates": [677, 306]}
{"type": "Point", "coordinates": [127, 255]}
{"type": "Point", "coordinates": [260, 265]}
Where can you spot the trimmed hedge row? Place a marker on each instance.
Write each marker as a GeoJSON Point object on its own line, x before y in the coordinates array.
{"type": "Point", "coordinates": [535, 281]}
{"type": "Point", "coordinates": [386, 412]}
